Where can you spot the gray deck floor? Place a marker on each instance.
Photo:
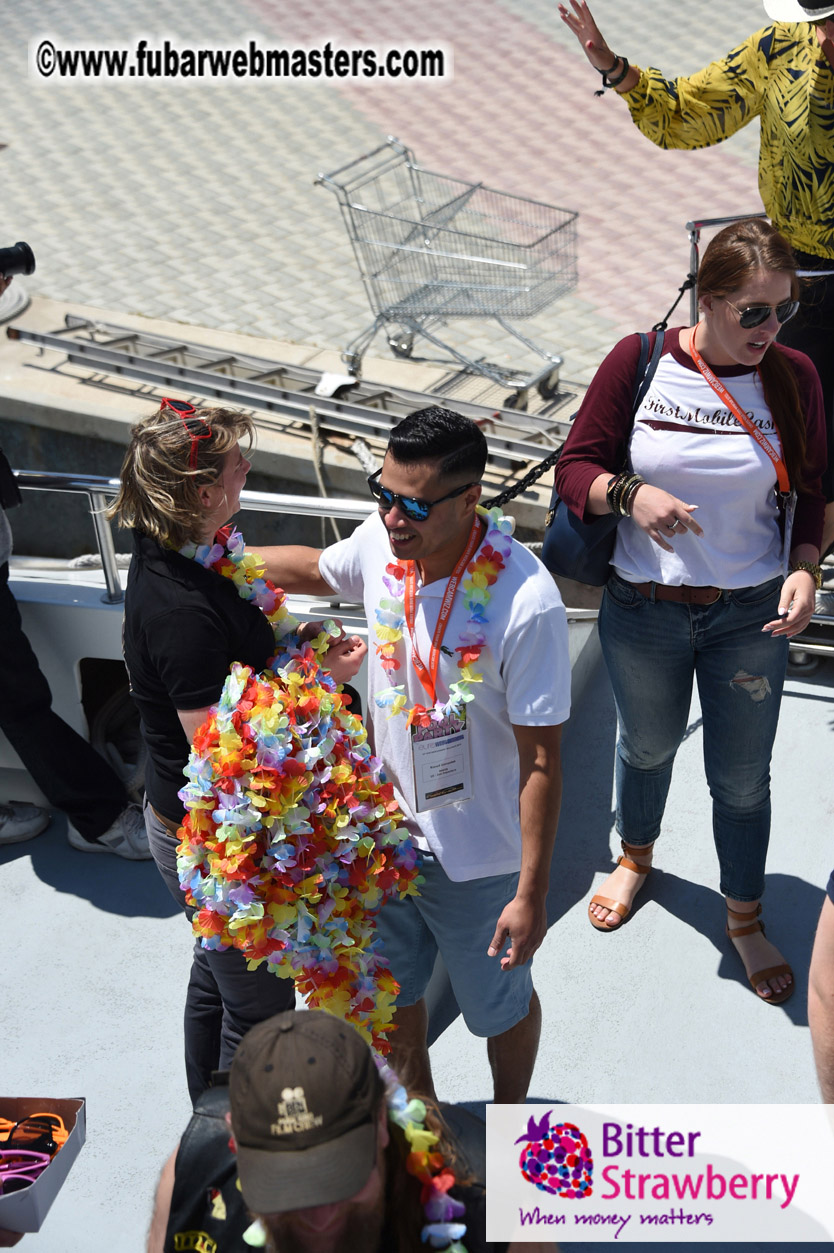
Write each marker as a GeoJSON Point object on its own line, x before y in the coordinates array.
{"type": "Point", "coordinates": [96, 965]}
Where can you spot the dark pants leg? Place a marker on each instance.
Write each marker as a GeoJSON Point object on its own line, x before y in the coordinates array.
{"type": "Point", "coordinates": [224, 999]}
{"type": "Point", "coordinates": [67, 769]}
{"type": "Point", "coordinates": [246, 997]}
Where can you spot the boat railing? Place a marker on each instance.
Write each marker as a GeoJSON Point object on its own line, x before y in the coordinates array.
{"type": "Point", "coordinates": [694, 228]}
{"type": "Point", "coordinates": [100, 490]}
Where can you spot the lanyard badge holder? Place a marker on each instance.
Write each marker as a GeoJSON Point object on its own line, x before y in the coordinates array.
{"type": "Point", "coordinates": [785, 494]}
{"type": "Point", "coordinates": [441, 754]}
{"type": "Point", "coordinates": [441, 761]}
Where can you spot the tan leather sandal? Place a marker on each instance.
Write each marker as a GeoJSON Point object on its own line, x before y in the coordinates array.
{"type": "Point", "coordinates": [617, 907]}
{"type": "Point", "coordinates": [769, 972]}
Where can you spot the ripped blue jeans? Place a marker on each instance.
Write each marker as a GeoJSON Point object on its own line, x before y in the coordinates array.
{"type": "Point", "coordinates": [652, 650]}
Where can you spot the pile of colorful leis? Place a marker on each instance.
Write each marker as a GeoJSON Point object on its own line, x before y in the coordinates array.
{"type": "Point", "coordinates": [390, 621]}
{"type": "Point", "coordinates": [441, 1230]}
{"type": "Point", "coordinates": [292, 838]}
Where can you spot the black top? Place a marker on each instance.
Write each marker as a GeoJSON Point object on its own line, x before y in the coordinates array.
{"type": "Point", "coordinates": [830, 888]}
{"type": "Point", "coordinates": [207, 1205]}
{"type": "Point", "coordinates": [207, 1209]}
{"type": "Point", "coordinates": [184, 626]}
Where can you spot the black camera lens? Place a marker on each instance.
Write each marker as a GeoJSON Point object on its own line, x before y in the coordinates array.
{"type": "Point", "coordinates": [17, 260]}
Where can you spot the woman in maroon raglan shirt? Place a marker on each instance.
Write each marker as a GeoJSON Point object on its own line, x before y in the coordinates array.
{"type": "Point", "coordinates": [704, 582]}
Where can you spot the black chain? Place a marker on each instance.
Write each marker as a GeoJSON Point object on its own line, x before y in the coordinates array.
{"type": "Point", "coordinates": [687, 285]}
{"type": "Point", "coordinates": [532, 475]}
{"type": "Point", "coordinates": [550, 460]}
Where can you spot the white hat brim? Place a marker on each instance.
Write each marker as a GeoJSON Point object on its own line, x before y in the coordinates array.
{"type": "Point", "coordinates": [792, 11]}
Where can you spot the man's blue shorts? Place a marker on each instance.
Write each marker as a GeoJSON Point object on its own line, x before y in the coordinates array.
{"type": "Point", "coordinates": [458, 919]}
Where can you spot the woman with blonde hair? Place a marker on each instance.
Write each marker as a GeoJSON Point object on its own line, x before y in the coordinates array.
{"type": "Point", "coordinates": [713, 571]}
{"type": "Point", "coordinates": [185, 624]}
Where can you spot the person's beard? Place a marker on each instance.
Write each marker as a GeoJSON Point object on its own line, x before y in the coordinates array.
{"type": "Point", "coordinates": [359, 1231]}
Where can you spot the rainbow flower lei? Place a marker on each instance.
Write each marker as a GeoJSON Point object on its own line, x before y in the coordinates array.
{"type": "Point", "coordinates": [441, 1230]}
{"type": "Point", "coordinates": [292, 837]}
{"type": "Point", "coordinates": [390, 619]}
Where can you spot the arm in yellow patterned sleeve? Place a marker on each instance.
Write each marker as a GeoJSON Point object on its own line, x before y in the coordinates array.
{"type": "Point", "coordinates": [708, 106]}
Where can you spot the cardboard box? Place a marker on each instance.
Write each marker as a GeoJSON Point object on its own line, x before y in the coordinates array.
{"type": "Point", "coordinates": [26, 1210]}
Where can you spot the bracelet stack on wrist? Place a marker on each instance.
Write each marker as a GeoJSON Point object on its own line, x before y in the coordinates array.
{"type": "Point", "coordinates": [812, 568]}
{"type": "Point", "coordinates": [607, 80]}
{"type": "Point", "coordinates": [621, 491]}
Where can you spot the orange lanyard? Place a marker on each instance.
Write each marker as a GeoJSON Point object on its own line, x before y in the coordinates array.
{"type": "Point", "coordinates": [428, 677]}
{"type": "Point", "coordinates": [738, 413]}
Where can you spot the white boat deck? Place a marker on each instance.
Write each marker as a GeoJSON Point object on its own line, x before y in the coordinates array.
{"type": "Point", "coordinates": [97, 959]}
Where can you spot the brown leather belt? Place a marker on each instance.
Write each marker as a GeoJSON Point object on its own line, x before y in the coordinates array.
{"type": "Point", "coordinates": [682, 595]}
{"type": "Point", "coordinates": [173, 827]}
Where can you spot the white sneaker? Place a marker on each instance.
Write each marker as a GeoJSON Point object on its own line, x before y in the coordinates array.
{"type": "Point", "coordinates": [126, 838]}
{"type": "Point", "coordinates": [21, 821]}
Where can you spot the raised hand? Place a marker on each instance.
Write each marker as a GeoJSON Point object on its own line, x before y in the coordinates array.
{"type": "Point", "coordinates": [588, 33]}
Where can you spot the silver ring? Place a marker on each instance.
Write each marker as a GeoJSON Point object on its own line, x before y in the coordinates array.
{"type": "Point", "coordinates": [674, 524]}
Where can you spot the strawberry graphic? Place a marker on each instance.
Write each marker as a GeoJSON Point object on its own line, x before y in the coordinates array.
{"type": "Point", "coordinates": [557, 1158]}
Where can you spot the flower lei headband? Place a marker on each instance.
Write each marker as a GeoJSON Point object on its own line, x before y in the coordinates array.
{"type": "Point", "coordinates": [390, 620]}
{"type": "Point", "coordinates": [292, 837]}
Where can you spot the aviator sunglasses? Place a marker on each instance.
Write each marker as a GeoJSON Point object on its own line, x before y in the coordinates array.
{"type": "Point", "coordinates": [756, 315]}
{"type": "Point", "coordinates": [415, 510]}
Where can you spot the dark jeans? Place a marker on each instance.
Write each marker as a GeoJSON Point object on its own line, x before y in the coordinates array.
{"type": "Point", "coordinates": [812, 332]}
{"type": "Point", "coordinates": [68, 770]}
{"type": "Point", "coordinates": [224, 999]}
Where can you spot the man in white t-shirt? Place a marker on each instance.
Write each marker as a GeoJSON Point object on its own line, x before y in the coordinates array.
{"type": "Point", "coordinates": [469, 683]}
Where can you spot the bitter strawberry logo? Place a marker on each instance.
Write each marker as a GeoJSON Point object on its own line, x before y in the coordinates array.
{"type": "Point", "coordinates": [557, 1158]}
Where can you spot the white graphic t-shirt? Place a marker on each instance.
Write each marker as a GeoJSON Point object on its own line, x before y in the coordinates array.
{"type": "Point", "coordinates": [687, 442]}
{"type": "Point", "coordinates": [525, 670]}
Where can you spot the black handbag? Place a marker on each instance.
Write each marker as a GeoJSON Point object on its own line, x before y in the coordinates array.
{"type": "Point", "coordinates": [581, 550]}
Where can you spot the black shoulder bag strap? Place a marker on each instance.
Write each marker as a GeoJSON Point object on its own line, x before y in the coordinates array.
{"type": "Point", "coordinates": [642, 379]}
{"type": "Point", "coordinates": [645, 369]}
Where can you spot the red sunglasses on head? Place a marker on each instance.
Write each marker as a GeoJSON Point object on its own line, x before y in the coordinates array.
{"type": "Point", "coordinates": [184, 412]}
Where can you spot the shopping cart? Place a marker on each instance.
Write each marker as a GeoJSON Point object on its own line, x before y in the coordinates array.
{"type": "Point", "coordinates": [430, 248]}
